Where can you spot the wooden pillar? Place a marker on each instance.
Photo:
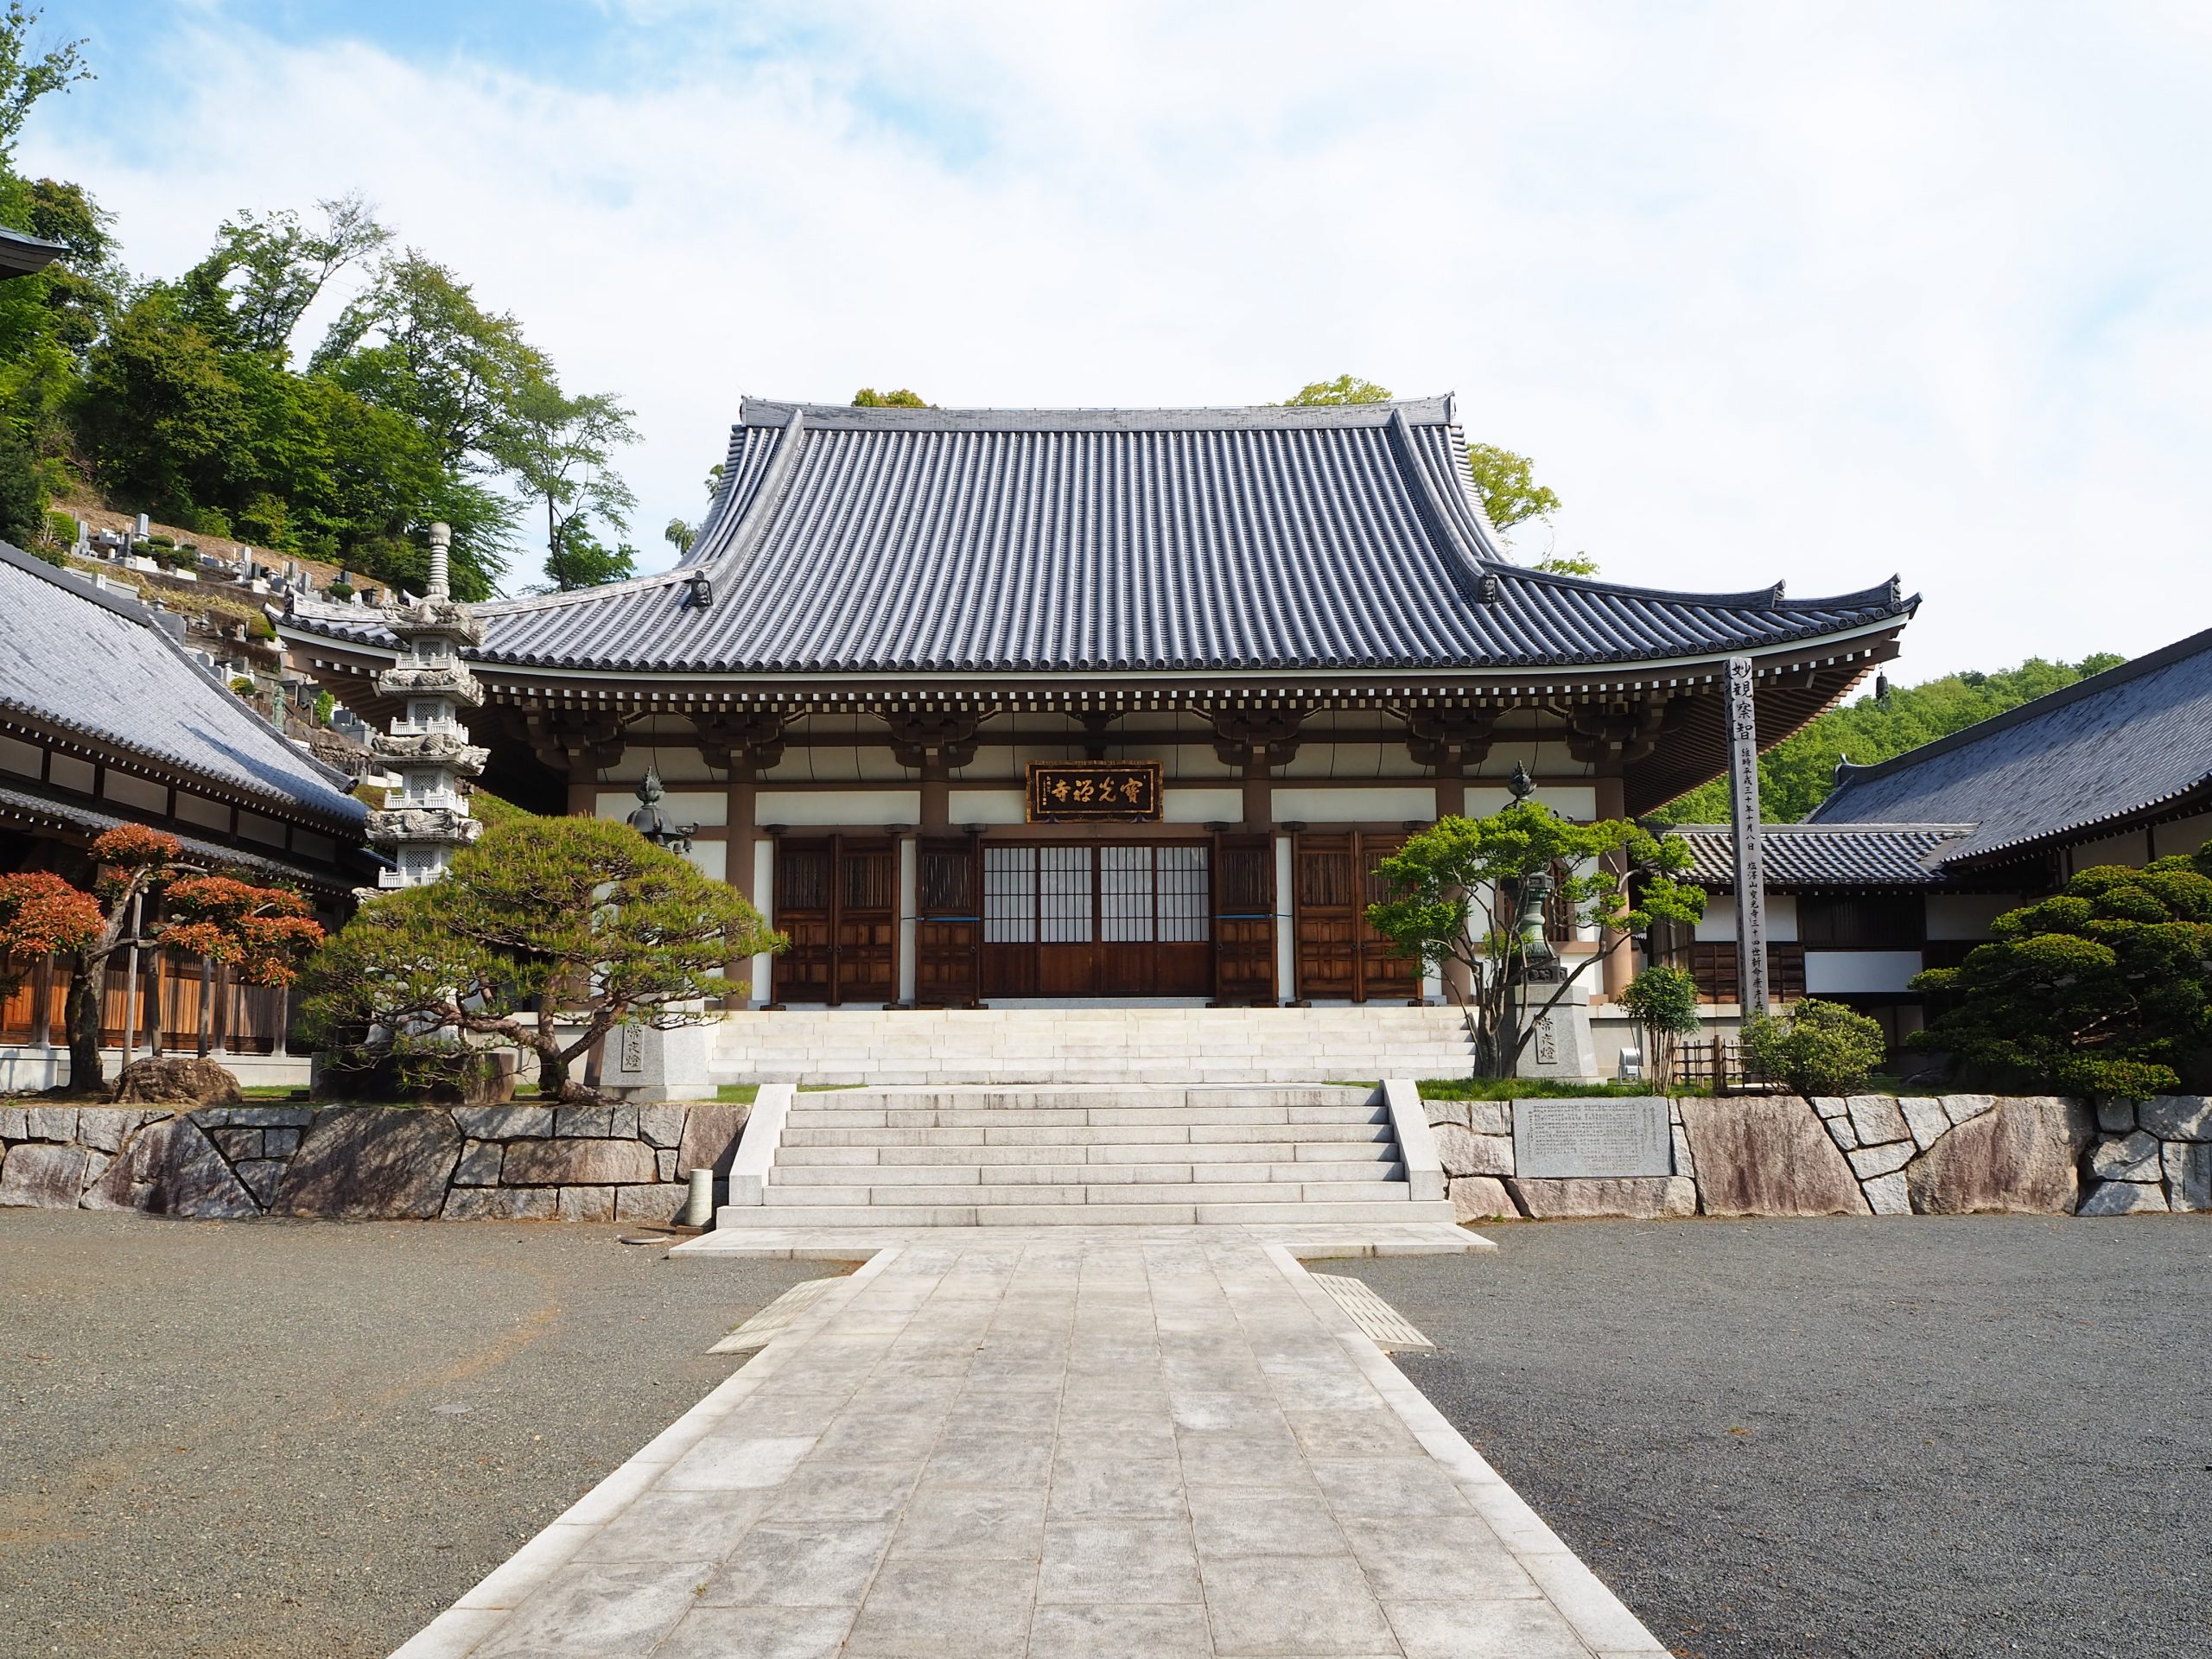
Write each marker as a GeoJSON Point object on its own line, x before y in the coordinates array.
{"type": "Point", "coordinates": [1618, 950]}
{"type": "Point", "coordinates": [737, 865]}
{"type": "Point", "coordinates": [1259, 791]}
{"type": "Point", "coordinates": [583, 787]}
{"type": "Point", "coordinates": [937, 792]}
{"type": "Point", "coordinates": [1450, 785]}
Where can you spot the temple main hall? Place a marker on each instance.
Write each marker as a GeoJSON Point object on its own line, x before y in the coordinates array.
{"type": "Point", "coordinates": [1007, 706]}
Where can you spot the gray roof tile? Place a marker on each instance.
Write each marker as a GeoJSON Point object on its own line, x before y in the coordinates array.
{"type": "Point", "coordinates": [1817, 856]}
{"type": "Point", "coordinates": [891, 540]}
{"type": "Point", "coordinates": [2109, 748]}
{"type": "Point", "coordinates": [84, 661]}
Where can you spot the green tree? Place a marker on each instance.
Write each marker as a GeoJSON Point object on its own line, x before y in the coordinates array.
{"type": "Point", "coordinates": [23, 503]}
{"type": "Point", "coordinates": [868, 397]}
{"type": "Point", "coordinates": [1460, 891]}
{"type": "Point", "coordinates": [417, 343]}
{"type": "Point", "coordinates": [1344, 389]}
{"type": "Point", "coordinates": [1798, 774]}
{"type": "Point", "coordinates": [561, 451]}
{"type": "Point", "coordinates": [165, 423]}
{"type": "Point", "coordinates": [679, 533]}
{"type": "Point", "coordinates": [543, 936]}
{"type": "Point", "coordinates": [48, 318]}
{"type": "Point", "coordinates": [1507, 484]}
{"type": "Point", "coordinates": [27, 75]}
{"type": "Point", "coordinates": [2104, 988]}
{"type": "Point", "coordinates": [266, 269]}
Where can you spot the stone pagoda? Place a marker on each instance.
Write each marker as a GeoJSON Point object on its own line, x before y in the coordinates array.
{"type": "Point", "coordinates": [428, 748]}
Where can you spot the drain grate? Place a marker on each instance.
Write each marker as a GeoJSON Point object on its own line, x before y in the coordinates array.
{"type": "Point", "coordinates": [1378, 1321]}
{"type": "Point", "coordinates": [773, 1319]}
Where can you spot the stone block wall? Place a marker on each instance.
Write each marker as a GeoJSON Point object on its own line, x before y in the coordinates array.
{"type": "Point", "coordinates": [466, 1163]}
{"type": "Point", "coordinates": [1863, 1154]}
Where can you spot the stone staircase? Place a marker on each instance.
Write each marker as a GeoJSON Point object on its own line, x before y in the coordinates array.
{"type": "Point", "coordinates": [1091, 1156]}
{"type": "Point", "coordinates": [878, 1048]}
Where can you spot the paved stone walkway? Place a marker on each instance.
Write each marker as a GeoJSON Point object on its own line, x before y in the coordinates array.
{"type": "Point", "coordinates": [1058, 1443]}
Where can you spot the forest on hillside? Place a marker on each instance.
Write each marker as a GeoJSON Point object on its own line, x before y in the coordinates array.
{"type": "Point", "coordinates": [198, 399]}
{"type": "Point", "coordinates": [1798, 774]}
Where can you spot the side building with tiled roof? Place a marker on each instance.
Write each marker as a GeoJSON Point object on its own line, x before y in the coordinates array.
{"type": "Point", "coordinates": [1011, 704]}
{"type": "Point", "coordinates": [105, 720]}
{"type": "Point", "coordinates": [1905, 863]}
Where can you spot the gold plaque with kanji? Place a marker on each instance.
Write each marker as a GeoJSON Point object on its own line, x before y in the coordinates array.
{"type": "Point", "coordinates": [1075, 791]}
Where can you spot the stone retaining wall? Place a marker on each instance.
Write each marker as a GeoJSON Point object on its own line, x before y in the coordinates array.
{"type": "Point", "coordinates": [466, 1163]}
{"type": "Point", "coordinates": [1863, 1154]}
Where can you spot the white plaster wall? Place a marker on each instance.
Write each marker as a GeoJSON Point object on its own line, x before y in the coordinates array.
{"type": "Point", "coordinates": [1354, 804]}
{"type": "Point", "coordinates": [1830, 972]}
{"type": "Point", "coordinates": [69, 771]}
{"type": "Point", "coordinates": [987, 806]}
{"type": "Point", "coordinates": [763, 897]}
{"type": "Point", "coordinates": [909, 924]}
{"type": "Point", "coordinates": [1186, 805]}
{"type": "Point", "coordinates": [710, 858]}
{"type": "Point", "coordinates": [2183, 834]}
{"type": "Point", "coordinates": [2130, 847]}
{"type": "Point", "coordinates": [1717, 925]}
{"type": "Point", "coordinates": [837, 806]}
{"type": "Point", "coordinates": [15, 755]}
{"type": "Point", "coordinates": [195, 809]}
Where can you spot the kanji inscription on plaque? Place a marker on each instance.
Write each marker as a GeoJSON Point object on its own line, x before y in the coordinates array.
{"type": "Point", "coordinates": [1126, 792]}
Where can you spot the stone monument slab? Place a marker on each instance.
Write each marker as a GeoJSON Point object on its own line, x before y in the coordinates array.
{"type": "Point", "coordinates": [1598, 1136]}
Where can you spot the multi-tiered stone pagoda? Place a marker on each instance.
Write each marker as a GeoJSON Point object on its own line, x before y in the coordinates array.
{"type": "Point", "coordinates": [427, 747]}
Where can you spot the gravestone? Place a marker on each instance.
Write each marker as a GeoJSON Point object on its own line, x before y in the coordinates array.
{"type": "Point", "coordinates": [1594, 1136]}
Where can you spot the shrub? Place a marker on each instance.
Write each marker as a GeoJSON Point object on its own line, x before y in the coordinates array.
{"type": "Point", "coordinates": [1662, 1001]}
{"type": "Point", "coordinates": [61, 529]}
{"type": "Point", "coordinates": [338, 590]}
{"type": "Point", "coordinates": [159, 540]}
{"type": "Point", "coordinates": [243, 684]}
{"type": "Point", "coordinates": [1817, 1048]}
{"type": "Point", "coordinates": [324, 704]}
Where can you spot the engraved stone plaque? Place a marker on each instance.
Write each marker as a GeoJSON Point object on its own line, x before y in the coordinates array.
{"type": "Point", "coordinates": [1599, 1135]}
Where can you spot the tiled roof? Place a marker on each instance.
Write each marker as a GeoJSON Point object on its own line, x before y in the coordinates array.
{"type": "Point", "coordinates": [902, 540]}
{"type": "Point", "coordinates": [31, 805]}
{"type": "Point", "coordinates": [1816, 855]}
{"type": "Point", "coordinates": [2108, 747]}
{"type": "Point", "coordinates": [81, 660]}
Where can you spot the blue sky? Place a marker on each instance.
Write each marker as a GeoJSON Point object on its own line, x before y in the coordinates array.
{"type": "Point", "coordinates": [1819, 292]}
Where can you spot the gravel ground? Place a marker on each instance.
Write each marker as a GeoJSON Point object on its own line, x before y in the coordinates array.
{"type": "Point", "coordinates": [308, 1438]}
{"type": "Point", "coordinates": [1980, 1436]}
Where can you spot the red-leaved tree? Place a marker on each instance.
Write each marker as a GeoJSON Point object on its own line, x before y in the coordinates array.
{"type": "Point", "coordinates": [264, 934]}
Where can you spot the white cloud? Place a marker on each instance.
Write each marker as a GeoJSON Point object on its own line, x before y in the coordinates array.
{"type": "Point", "coordinates": [1811, 292]}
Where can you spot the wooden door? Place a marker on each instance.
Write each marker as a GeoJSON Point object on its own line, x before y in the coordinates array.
{"type": "Point", "coordinates": [1245, 919]}
{"type": "Point", "coordinates": [1122, 919]}
{"type": "Point", "coordinates": [948, 928]}
{"type": "Point", "coordinates": [804, 913]}
{"type": "Point", "coordinates": [1325, 893]}
{"type": "Point", "coordinates": [1153, 936]}
{"type": "Point", "coordinates": [867, 922]}
{"type": "Point", "coordinates": [1384, 975]}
